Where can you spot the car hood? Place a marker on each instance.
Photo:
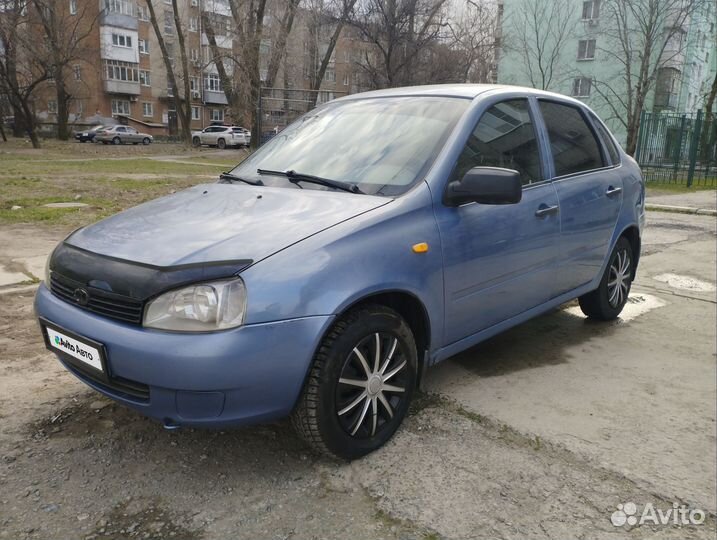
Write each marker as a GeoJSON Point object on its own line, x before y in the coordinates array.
{"type": "Point", "coordinates": [219, 222]}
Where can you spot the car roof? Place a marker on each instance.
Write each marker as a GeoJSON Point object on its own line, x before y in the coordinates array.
{"type": "Point", "coordinates": [466, 91]}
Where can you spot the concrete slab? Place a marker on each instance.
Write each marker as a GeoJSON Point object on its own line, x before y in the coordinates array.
{"type": "Point", "coordinates": [9, 277]}
{"type": "Point", "coordinates": [66, 205]}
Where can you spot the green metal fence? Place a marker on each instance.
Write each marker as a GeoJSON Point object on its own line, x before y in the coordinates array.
{"type": "Point", "coordinates": [678, 148]}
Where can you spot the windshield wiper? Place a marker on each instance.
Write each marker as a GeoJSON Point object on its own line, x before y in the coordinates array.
{"type": "Point", "coordinates": [234, 178]}
{"type": "Point", "coordinates": [295, 177]}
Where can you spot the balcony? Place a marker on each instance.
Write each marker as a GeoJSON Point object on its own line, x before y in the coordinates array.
{"type": "Point", "coordinates": [219, 7]}
{"type": "Point", "coordinates": [129, 88]}
{"type": "Point", "coordinates": [118, 13]}
{"type": "Point", "coordinates": [215, 97]}
{"type": "Point", "coordinates": [223, 42]}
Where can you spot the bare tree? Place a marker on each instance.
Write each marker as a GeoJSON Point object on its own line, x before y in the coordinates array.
{"type": "Point", "coordinates": [22, 64]}
{"type": "Point", "coordinates": [539, 33]}
{"type": "Point", "coordinates": [399, 30]}
{"type": "Point", "coordinates": [473, 34]}
{"type": "Point", "coordinates": [331, 15]}
{"type": "Point", "coordinates": [183, 104]}
{"type": "Point", "coordinates": [278, 50]}
{"type": "Point", "coordinates": [641, 37]}
{"type": "Point", "coordinates": [709, 119]}
{"type": "Point", "coordinates": [66, 36]}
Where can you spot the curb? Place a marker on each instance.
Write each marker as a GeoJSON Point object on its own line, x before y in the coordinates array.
{"type": "Point", "coordinates": [680, 209]}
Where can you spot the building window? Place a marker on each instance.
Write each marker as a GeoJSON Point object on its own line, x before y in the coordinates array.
{"type": "Point", "coordinates": [169, 22]}
{"type": "Point", "coordinates": [195, 113]}
{"type": "Point", "coordinates": [124, 7]}
{"type": "Point", "coordinates": [145, 78]}
{"type": "Point", "coordinates": [346, 79]}
{"type": "Point", "coordinates": [581, 86]}
{"type": "Point", "coordinates": [193, 24]}
{"type": "Point", "coordinates": [591, 10]}
{"type": "Point", "coordinates": [330, 75]}
{"type": "Point", "coordinates": [211, 82]}
{"type": "Point", "coordinates": [121, 71]}
{"type": "Point", "coordinates": [194, 84]}
{"type": "Point", "coordinates": [73, 7]}
{"type": "Point", "coordinates": [217, 115]}
{"type": "Point", "coordinates": [52, 106]}
{"type": "Point", "coordinates": [194, 55]}
{"type": "Point", "coordinates": [121, 40]}
{"type": "Point", "coordinates": [77, 70]}
{"type": "Point", "coordinates": [586, 49]}
{"type": "Point", "coordinates": [143, 46]}
{"type": "Point", "coordinates": [170, 50]}
{"type": "Point", "coordinates": [147, 110]}
{"type": "Point", "coordinates": [80, 108]}
{"type": "Point", "coordinates": [142, 13]}
{"type": "Point", "coordinates": [120, 106]}
{"type": "Point", "coordinates": [170, 89]}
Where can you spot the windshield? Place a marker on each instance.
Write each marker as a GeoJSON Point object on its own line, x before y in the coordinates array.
{"type": "Point", "coordinates": [382, 145]}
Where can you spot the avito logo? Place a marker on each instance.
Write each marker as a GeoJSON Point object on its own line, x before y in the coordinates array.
{"type": "Point", "coordinates": [73, 348]}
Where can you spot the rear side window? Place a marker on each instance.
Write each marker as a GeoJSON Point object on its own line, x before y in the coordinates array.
{"type": "Point", "coordinates": [607, 139]}
{"type": "Point", "coordinates": [504, 137]}
{"type": "Point", "coordinates": [574, 146]}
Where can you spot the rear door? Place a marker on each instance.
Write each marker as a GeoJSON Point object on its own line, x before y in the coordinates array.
{"type": "Point", "coordinates": [589, 190]}
{"type": "Point", "coordinates": [499, 260]}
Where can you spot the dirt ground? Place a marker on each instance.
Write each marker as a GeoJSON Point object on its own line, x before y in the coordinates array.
{"type": "Point", "coordinates": [538, 433]}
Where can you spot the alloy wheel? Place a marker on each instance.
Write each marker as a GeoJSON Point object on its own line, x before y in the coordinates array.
{"type": "Point", "coordinates": [372, 385]}
{"type": "Point", "coordinates": [618, 284]}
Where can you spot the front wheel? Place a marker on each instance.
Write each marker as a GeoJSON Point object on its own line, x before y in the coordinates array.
{"type": "Point", "coordinates": [606, 302]}
{"type": "Point", "coordinates": [360, 385]}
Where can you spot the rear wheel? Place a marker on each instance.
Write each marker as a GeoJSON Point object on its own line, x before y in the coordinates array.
{"type": "Point", "coordinates": [221, 144]}
{"type": "Point", "coordinates": [606, 302]}
{"type": "Point", "coordinates": [146, 141]}
{"type": "Point", "coordinates": [360, 385]}
{"type": "Point", "coordinates": [116, 140]}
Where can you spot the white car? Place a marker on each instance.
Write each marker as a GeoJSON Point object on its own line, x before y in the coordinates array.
{"type": "Point", "coordinates": [222, 136]}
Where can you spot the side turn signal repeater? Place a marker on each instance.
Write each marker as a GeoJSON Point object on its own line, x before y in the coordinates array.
{"type": "Point", "coordinates": [420, 248]}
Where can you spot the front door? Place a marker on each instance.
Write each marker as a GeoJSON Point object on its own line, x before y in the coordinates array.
{"type": "Point", "coordinates": [589, 190]}
{"type": "Point", "coordinates": [499, 261]}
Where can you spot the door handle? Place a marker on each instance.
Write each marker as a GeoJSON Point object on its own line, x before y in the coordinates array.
{"type": "Point", "coordinates": [544, 210]}
{"type": "Point", "coordinates": [613, 191]}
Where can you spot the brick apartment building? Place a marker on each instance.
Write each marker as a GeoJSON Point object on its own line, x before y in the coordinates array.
{"type": "Point", "coordinates": [122, 77]}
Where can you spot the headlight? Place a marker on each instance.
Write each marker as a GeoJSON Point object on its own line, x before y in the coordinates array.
{"type": "Point", "coordinates": [202, 307]}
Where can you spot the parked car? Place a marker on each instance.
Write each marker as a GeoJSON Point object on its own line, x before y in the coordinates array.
{"type": "Point", "coordinates": [376, 236]}
{"type": "Point", "coordinates": [222, 137]}
{"type": "Point", "coordinates": [88, 135]}
{"type": "Point", "coordinates": [122, 135]}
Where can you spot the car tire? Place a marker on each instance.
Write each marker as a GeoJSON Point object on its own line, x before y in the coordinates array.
{"type": "Point", "coordinates": [196, 142]}
{"type": "Point", "coordinates": [116, 140]}
{"type": "Point", "coordinates": [606, 302]}
{"type": "Point", "coordinates": [351, 419]}
{"type": "Point", "coordinates": [146, 141]}
{"type": "Point", "coordinates": [221, 144]}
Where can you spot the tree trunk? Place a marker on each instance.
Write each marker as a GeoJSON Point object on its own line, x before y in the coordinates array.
{"type": "Point", "coordinates": [184, 109]}
{"type": "Point", "coordinates": [279, 49]}
{"type": "Point", "coordinates": [2, 129]}
{"type": "Point", "coordinates": [709, 119]}
{"type": "Point", "coordinates": [63, 108]}
{"type": "Point", "coordinates": [184, 125]}
{"type": "Point", "coordinates": [255, 31]}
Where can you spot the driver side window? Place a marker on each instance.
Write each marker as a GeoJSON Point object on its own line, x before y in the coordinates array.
{"type": "Point", "coordinates": [504, 137]}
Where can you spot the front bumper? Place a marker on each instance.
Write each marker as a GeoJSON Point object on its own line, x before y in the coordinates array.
{"type": "Point", "coordinates": [249, 374]}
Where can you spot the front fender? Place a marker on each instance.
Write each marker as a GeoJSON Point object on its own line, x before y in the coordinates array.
{"type": "Point", "coordinates": [369, 254]}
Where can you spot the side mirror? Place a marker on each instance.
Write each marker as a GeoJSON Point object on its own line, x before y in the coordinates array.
{"type": "Point", "coordinates": [485, 185]}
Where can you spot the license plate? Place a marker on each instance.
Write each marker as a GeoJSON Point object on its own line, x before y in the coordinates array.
{"type": "Point", "coordinates": [84, 351]}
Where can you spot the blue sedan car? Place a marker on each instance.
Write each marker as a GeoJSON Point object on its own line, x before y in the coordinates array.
{"type": "Point", "coordinates": [376, 236]}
